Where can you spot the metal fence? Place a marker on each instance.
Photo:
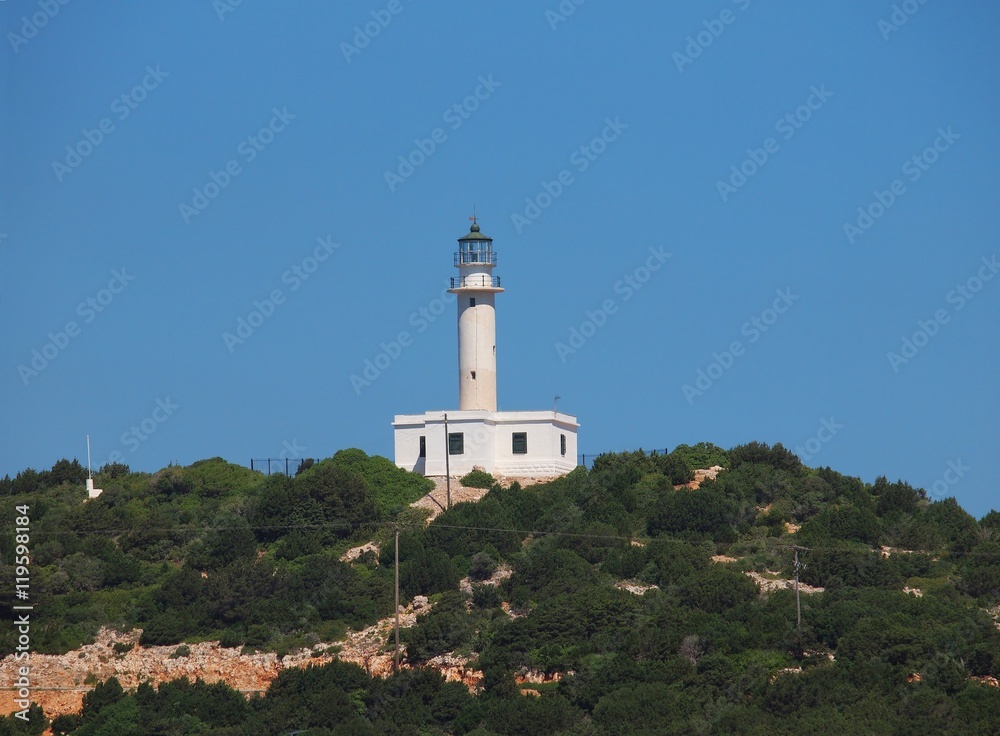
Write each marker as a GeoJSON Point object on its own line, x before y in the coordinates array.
{"type": "Point", "coordinates": [268, 465]}
{"type": "Point", "coordinates": [587, 460]}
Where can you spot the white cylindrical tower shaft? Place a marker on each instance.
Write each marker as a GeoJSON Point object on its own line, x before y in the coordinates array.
{"type": "Point", "coordinates": [476, 289]}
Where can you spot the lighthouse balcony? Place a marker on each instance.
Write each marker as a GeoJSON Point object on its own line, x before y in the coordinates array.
{"type": "Point", "coordinates": [476, 281]}
{"type": "Point", "coordinates": [475, 257]}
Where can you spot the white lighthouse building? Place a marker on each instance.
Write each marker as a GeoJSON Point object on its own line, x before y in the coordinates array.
{"type": "Point", "coordinates": [509, 443]}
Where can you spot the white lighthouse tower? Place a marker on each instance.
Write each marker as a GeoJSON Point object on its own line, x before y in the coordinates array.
{"type": "Point", "coordinates": [508, 443]}
{"type": "Point", "coordinates": [476, 288]}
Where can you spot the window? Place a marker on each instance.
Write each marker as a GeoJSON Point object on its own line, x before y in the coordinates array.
{"type": "Point", "coordinates": [423, 446]}
{"type": "Point", "coordinates": [519, 443]}
{"type": "Point", "coordinates": [473, 375]}
{"type": "Point", "coordinates": [456, 443]}
{"type": "Point", "coordinates": [472, 301]}
{"type": "Point", "coordinates": [562, 444]}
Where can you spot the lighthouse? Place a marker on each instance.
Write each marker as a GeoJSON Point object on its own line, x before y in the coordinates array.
{"type": "Point", "coordinates": [505, 443]}
{"type": "Point", "coordinates": [476, 289]}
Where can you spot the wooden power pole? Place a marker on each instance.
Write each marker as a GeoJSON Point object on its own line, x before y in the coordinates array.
{"type": "Point", "coordinates": [798, 605]}
{"type": "Point", "coordinates": [396, 660]}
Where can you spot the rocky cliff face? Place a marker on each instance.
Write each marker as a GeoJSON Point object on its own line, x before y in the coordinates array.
{"type": "Point", "coordinates": [59, 682]}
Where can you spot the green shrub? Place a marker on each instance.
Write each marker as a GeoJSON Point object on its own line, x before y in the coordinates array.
{"type": "Point", "coordinates": [390, 486]}
{"type": "Point", "coordinates": [481, 566]}
{"type": "Point", "coordinates": [702, 455]}
{"type": "Point", "coordinates": [486, 596]}
{"type": "Point", "coordinates": [478, 479]}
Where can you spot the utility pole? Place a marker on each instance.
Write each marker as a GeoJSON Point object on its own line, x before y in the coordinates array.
{"type": "Point", "coordinates": [396, 666]}
{"type": "Point", "coordinates": [447, 462]}
{"type": "Point", "coordinates": [798, 605]}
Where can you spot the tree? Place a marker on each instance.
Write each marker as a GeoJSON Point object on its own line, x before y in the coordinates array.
{"type": "Point", "coordinates": [718, 589]}
{"type": "Point", "coordinates": [760, 452]}
{"type": "Point", "coordinates": [65, 471]}
{"type": "Point", "coordinates": [645, 708]}
{"type": "Point", "coordinates": [114, 470]}
{"type": "Point", "coordinates": [445, 628]}
{"type": "Point", "coordinates": [338, 495]}
{"type": "Point", "coordinates": [702, 455]}
{"type": "Point", "coordinates": [481, 567]}
{"type": "Point", "coordinates": [698, 511]}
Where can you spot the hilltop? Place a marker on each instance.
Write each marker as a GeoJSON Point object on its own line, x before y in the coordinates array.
{"type": "Point", "coordinates": [638, 596]}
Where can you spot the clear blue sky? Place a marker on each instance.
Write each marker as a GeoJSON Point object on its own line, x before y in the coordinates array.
{"type": "Point", "coordinates": [155, 101]}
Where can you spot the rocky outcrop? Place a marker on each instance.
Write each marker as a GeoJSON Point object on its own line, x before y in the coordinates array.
{"type": "Point", "coordinates": [355, 552]}
{"type": "Point", "coordinates": [723, 558]}
{"type": "Point", "coordinates": [771, 582]}
{"type": "Point", "coordinates": [700, 476]}
{"type": "Point", "coordinates": [437, 499]}
{"type": "Point", "coordinates": [499, 575]}
{"type": "Point", "coordinates": [456, 668]}
{"type": "Point", "coordinates": [59, 681]}
{"type": "Point", "coordinates": [634, 587]}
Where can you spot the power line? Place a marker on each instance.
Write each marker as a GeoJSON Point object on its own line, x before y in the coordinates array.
{"type": "Point", "coordinates": [434, 525]}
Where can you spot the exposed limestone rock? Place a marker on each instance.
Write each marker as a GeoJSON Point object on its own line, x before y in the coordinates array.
{"type": "Point", "coordinates": [505, 607]}
{"type": "Point", "coordinates": [459, 494]}
{"type": "Point", "coordinates": [355, 552]}
{"type": "Point", "coordinates": [635, 587]}
{"type": "Point", "coordinates": [723, 558]}
{"type": "Point", "coordinates": [59, 682]}
{"type": "Point", "coordinates": [537, 677]}
{"type": "Point", "coordinates": [768, 584]}
{"type": "Point", "coordinates": [499, 575]}
{"type": "Point", "coordinates": [700, 476]}
{"type": "Point", "coordinates": [786, 671]}
{"type": "Point", "coordinates": [455, 668]}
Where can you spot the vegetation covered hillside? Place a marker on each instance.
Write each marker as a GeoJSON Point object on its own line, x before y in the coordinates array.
{"type": "Point", "coordinates": [641, 609]}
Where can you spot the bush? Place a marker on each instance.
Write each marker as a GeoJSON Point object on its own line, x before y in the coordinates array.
{"type": "Point", "coordinates": [760, 452]}
{"type": "Point", "coordinates": [486, 596]}
{"type": "Point", "coordinates": [481, 566]}
{"type": "Point", "coordinates": [699, 511]}
{"type": "Point", "coordinates": [623, 469]}
{"type": "Point", "coordinates": [390, 486]}
{"type": "Point", "coordinates": [478, 479]}
{"type": "Point", "coordinates": [182, 651]}
{"type": "Point", "coordinates": [702, 455]}
{"type": "Point", "coordinates": [444, 629]}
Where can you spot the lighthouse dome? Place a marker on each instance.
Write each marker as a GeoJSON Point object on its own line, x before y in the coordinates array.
{"type": "Point", "coordinates": [475, 234]}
